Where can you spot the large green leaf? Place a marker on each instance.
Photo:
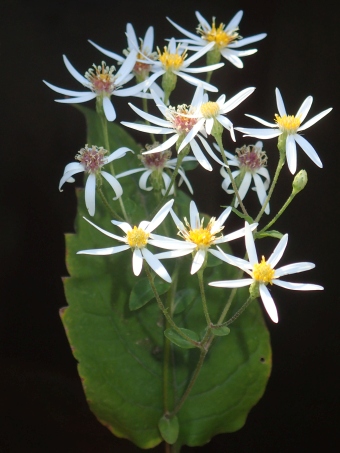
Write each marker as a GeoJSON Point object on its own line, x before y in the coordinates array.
{"type": "Point", "coordinates": [120, 352]}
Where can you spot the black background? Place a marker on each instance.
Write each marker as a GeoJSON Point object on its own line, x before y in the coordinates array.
{"type": "Point", "coordinates": [41, 397]}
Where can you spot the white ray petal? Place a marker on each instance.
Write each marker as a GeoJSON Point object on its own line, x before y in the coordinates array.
{"type": "Point", "coordinates": [246, 41]}
{"type": "Point", "coordinates": [108, 108]}
{"type": "Point", "coordinates": [304, 109]}
{"type": "Point", "coordinates": [90, 194]}
{"type": "Point", "coordinates": [78, 100]}
{"type": "Point", "coordinates": [280, 103]}
{"type": "Point", "coordinates": [66, 92]}
{"type": "Point", "coordinates": [209, 150]}
{"type": "Point", "coordinates": [232, 283]}
{"type": "Point", "coordinates": [250, 245]}
{"type": "Point", "coordinates": [234, 23]}
{"type": "Point", "coordinates": [108, 53]}
{"type": "Point", "coordinates": [120, 152]}
{"type": "Point", "coordinates": [164, 146]}
{"type": "Point", "coordinates": [200, 156]}
{"type": "Point", "coordinates": [159, 217]}
{"type": "Point", "coordinates": [172, 254]}
{"type": "Point", "coordinates": [261, 192]}
{"type": "Point", "coordinates": [194, 216]}
{"type": "Point", "coordinates": [258, 133]}
{"type": "Point", "coordinates": [308, 149]}
{"type": "Point", "coordinates": [104, 251]}
{"type": "Point", "coordinates": [268, 303]}
{"type": "Point", "coordinates": [291, 153]}
{"type": "Point", "coordinates": [74, 72]}
{"type": "Point", "coordinates": [198, 261]}
{"type": "Point", "coordinates": [260, 120]}
{"type": "Point", "coordinates": [68, 175]}
{"type": "Point", "coordinates": [151, 118]}
{"type": "Point", "coordinates": [137, 261]}
{"type": "Point", "coordinates": [156, 265]}
{"type": "Point", "coordinates": [185, 32]}
{"type": "Point", "coordinates": [298, 286]}
{"type": "Point", "coordinates": [230, 55]}
{"type": "Point", "coordinates": [144, 179]}
{"type": "Point", "coordinates": [194, 81]}
{"type": "Point", "coordinates": [118, 189]}
{"type": "Point", "coordinates": [122, 225]}
{"type": "Point", "coordinates": [314, 120]}
{"type": "Point", "coordinates": [294, 268]}
{"type": "Point", "coordinates": [237, 99]}
{"type": "Point", "coordinates": [278, 251]}
{"type": "Point", "coordinates": [179, 224]}
{"type": "Point", "coordinates": [107, 233]}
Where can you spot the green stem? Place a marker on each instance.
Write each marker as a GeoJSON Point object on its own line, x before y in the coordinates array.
{"type": "Point", "coordinates": [239, 311]}
{"type": "Point", "coordinates": [233, 183]}
{"type": "Point", "coordinates": [107, 204]}
{"type": "Point", "coordinates": [284, 207]}
{"type": "Point", "coordinates": [276, 177]}
{"type": "Point", "coordinates": [165, 310]}
{"type": "Point", "coordinates": [204, 300]}
{"type": "Point", "coordinates": [107, 147]}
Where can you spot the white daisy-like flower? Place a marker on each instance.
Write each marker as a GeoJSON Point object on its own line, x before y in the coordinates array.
{"type": "Point", "coordinates": [102, 83]}
{"type": "Point", "coordinates": [173, 61]}
{"type": "Point", "coordinates": [225, 38]}
{"type": "Point", "coordinates": [91, 160]}
{"type": "Point", "coordinates": [263, 273]}
{"type": "Point", "coordinates": [198, 239]}
{"type": "Point", "coordinates": [137, 239]}
{"type": "Point", "coordinates": [210, 112]}
{"type": "Point", "coordinates": [251, 162]}
{"type": "Point", "coordinates": [143, 50]}
{"type": "Point", "coordinates": [182, 122]}
{"type": "Point", "coordinates": [154, 166]}
{"type": "Point", "coordinates": [288, 126]}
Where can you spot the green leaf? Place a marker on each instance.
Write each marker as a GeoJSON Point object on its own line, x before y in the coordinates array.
{"type": "Point", "coordinates": [142, 292]}
{"type": "Point", "coordinates": [243, 216]}
{"type": "Point", "coordinates": [178, 340]}
{"type": "Point", "coordinates": [120, 352]}
{"type": "Point", "coordinates": [183, 299]}
{"type": "Point", "coordinates": [169, 429]}
{"type": "Point", "coordinates": [270, 233]}
{"type": "Point", "coordinates": [220, 331]}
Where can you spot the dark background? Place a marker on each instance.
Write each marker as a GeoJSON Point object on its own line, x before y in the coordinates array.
{"type": "Point", "coordinates": [41, 397]}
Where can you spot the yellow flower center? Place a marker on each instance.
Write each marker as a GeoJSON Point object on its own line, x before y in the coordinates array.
{"type": "Point", "coordinates": [263, 272]}
{"type": "Point", "coordinates": [218, 35]}
{"type": "Point", "coordinates": [288, 123]}
{"type": "Point", "coordinates": [202, 237]}
{"type": "Point", "coordinates": [137, 237]}
{"type": "Point", "coordinates": [210, 109]}
{"type": "Point", "coordinates": [172, 61]}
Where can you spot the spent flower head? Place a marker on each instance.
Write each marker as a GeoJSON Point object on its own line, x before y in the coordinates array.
{"type": "Point", "coordinates": [154, 168]}
{"type": "Point", "coordinates": [263, 273]}
{"type": "Point", "coordinates": [225, 39]}
{"type": "Point", "coordinates": [183, 122]}
{"type": "Point", "coordinates": [288, 127]}
{"type": "Point", "coordinates": [91, 161]}
{"type": "Point", "coordinates": [102, 83]}
{"type": "Point", "coordinates": [251, 161]}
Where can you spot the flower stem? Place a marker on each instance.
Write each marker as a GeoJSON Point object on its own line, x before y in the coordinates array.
{"type": "Point", "coordinates": [107, 204]}
{"type": "Point", "coordinates": [233, 183]}
{"type": "Point", "coordinates": [107, 147]}
{"type": "Point", "coordinates": [165, 311]}
{"type": "Point", "coordinates": [280, 164]}
{"type": "Point", "coordinates": [284, 207]}
{"type": "Point", "coordinates": [239, 311]}
{"type": "Point", "coordinates": [204, 300]}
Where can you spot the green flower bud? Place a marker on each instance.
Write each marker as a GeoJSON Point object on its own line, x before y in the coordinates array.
{"type": "Point", "coordinates": [300, 181]}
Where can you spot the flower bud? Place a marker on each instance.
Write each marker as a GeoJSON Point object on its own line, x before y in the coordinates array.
{"type": "Point", "coordinates": [300, 181]}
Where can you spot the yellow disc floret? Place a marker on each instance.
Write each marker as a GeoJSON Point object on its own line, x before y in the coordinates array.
{"type": "Point", "coordinates": [137, 237]}
{"type": "Point", "coordinates": [210, 109]}
{"type": "Point", "coordinates": [172, 61]}
{"type": "Point", "coordinates": [288, 123]}
{"type": "Point", "coordinates": [202, 237]}
{"type": "Point", "coordinates": [263, 272]}
{"type": "Point", "coordinates": [219, 35]}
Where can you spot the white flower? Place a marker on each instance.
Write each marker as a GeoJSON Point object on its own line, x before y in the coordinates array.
{"type": "Point", "coordinates": [102, 84]}
{"type": "Point", "coordinates": [173, 60]}
{"type": "Point", "coordinates": [263, 272]}
{"type": "Point", "coordinates": [137, 239]}
{"type": "Point", "coordinates": [251, 162]}
{"type": "Point", "coordinates": [180, 122]}
{"type": "Point", "coordinates": [224, 37]}
{"type": "Point", "coordinates": [143, 50]}
{"type": "Point", "coordinates": [289, 126]}
{"type": "Point", "coordinates": [197, 238]}
{"type": "Point", "coordinates": [154, 165]}
{"type": "Point", "coordinates": [208, 112]}
{"type": "Point", "coordinates": [91, 160]}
